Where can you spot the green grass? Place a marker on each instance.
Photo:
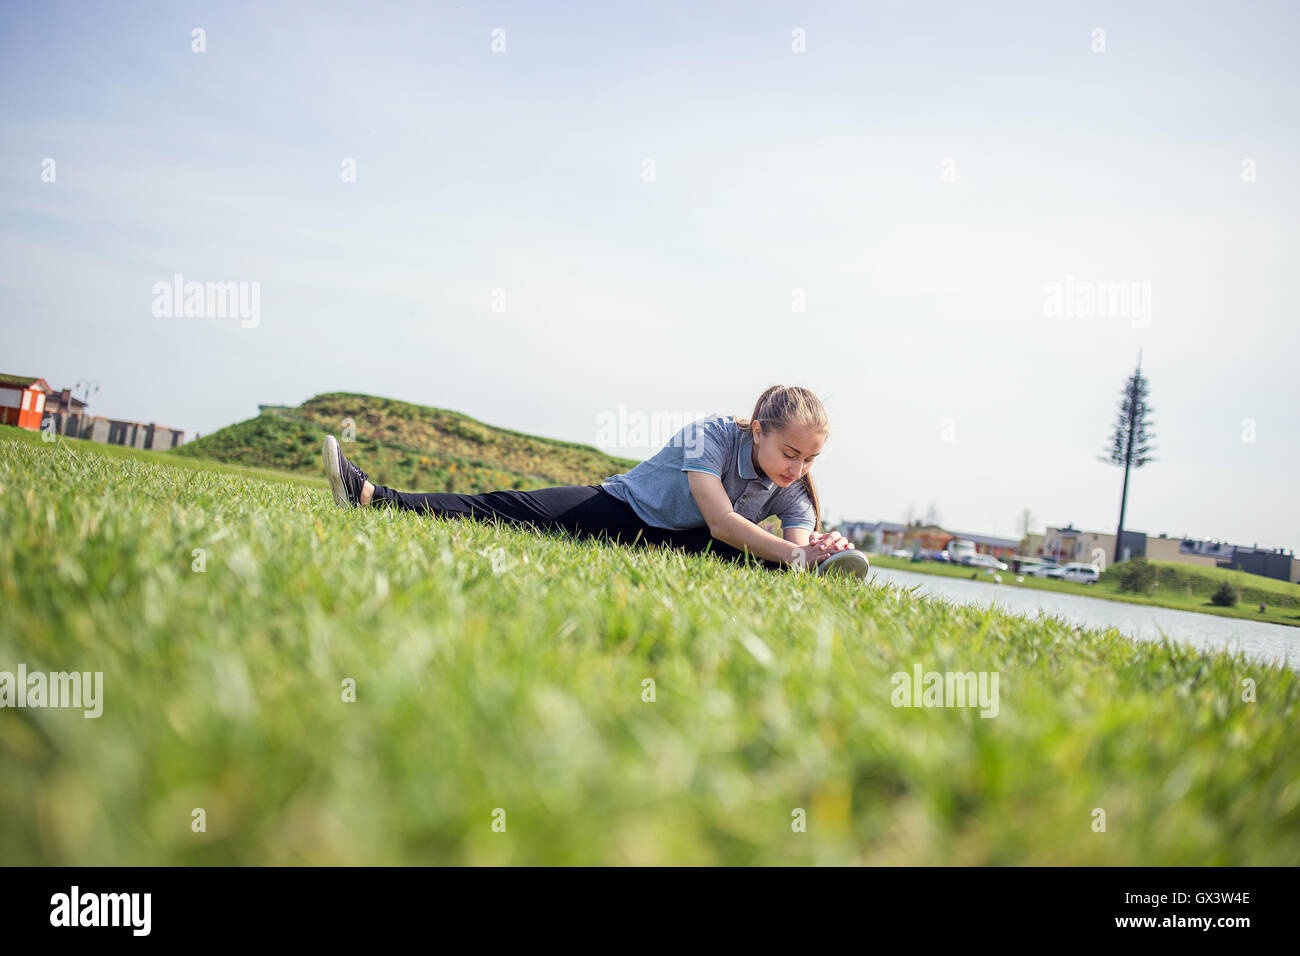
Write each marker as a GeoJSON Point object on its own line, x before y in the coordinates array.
{"type": "Point", "coordinates": [1210, 578]}
{"type": "Point", "coordinates": [1282, 606]}
{"type": "Point", "coordinates": [1177, 580]}
{"type": "Point", "coordinates": [520, 687]}
{"type": "Point", "coordinates": [72, 448]}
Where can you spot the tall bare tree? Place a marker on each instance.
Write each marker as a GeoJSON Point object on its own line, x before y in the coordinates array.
{"type": "Point", "coordinates": [1027, 520]}
{"type": "Point", "coordinates": [1130, 445]}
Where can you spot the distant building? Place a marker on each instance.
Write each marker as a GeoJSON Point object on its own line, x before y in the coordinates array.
{"type": "Point", "coordinates": [67, 411]}
{"type": "Point", "coordinates": [22, 400]}
{"type": "Point", "coordinates": [890, 535]}
{"type": "Point", "coordinates": [1071, 544]}
{"type": "Point", "coordinates": [116, 431]}
{"type": "Point", "coordinates": [1068, 544]}
{"type": "Point", "coordinates": [987, 543]}
{"type": "Point", "coordinates": [1271, 563]}
{"type": "Point", "coordinates": [30, 402]}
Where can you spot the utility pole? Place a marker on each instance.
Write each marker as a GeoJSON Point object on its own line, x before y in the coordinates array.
{"type": "Point", "coordinates": [1131, 441]}
{"type": "Point", "coordinates": [88, 387]}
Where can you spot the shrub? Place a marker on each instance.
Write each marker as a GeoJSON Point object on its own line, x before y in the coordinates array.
{"type": "Point", "coordinates": [1225, 596]}
{"type": "Point", "coordinates": [1137, 575]}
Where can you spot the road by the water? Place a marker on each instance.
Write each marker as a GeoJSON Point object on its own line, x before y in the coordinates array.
{"type": "Point", "coordinates": [1275, 643]}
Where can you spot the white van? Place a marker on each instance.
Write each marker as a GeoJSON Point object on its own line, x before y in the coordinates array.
{"type": "Point", "coordinates": [985, 561]}
{"type": "Point", "coordinates": [959, 549]}
{"type": "Point", "coordinates": [1082, 573]}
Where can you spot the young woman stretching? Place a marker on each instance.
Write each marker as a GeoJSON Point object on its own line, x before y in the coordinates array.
{"type": "Point", "coordinates": [706, 490]}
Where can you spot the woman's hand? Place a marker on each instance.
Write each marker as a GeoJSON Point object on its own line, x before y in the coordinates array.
{"type": "Point", "coordinates": [830, 542]}
{"type": "Point", "coordinates": [819, 548]}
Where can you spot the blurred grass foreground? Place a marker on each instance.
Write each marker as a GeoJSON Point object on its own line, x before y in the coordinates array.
{"type": "Point", "coordinates": [288, 683]}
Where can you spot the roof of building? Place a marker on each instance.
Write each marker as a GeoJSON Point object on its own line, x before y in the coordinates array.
{"type": "Point", "coordinates": [889, 526]}
{"type": "Point", "coordinates": [127, 421]}
{"type": "Point", "coordinates": [24, 381]}
{"type": "Point", "coordinates": [988, 539]}
{"type": "Point", "coordinates": [893, 527]}
{"type": "Point", "coordinates": [67, 396]}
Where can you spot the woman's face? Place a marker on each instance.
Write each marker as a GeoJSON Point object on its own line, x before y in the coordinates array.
{"type": "Point", "coordinates": [786, 455]}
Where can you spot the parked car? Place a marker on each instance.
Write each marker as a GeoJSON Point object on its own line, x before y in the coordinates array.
{"type": "Point", "coordinates": [901, 553]}
{"type": "Point", "coordinates": [984, 561]}
{"type": "Point", "coordinates": [1082, 573]}
{"type": "Point", "coordinates": [1044, 570]}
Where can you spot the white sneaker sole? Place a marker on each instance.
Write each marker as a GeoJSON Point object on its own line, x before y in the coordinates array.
{"type": "Point", "coordinates": [848, 563]}
{"type": "Point", "coordinates": [330, 454]}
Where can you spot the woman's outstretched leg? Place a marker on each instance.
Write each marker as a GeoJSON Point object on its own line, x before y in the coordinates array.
{"type": "Point", "coordinates": [582, 510]}
{"type": "Point", "coordinates": [573, 508]}
{"type": "Point", "coordinates": [700, 541]}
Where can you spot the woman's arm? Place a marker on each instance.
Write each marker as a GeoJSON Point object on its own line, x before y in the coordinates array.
{"type": "Point", "coordinates": [796, 536]}
{"type": "Point", "coordinates": [738, 531]}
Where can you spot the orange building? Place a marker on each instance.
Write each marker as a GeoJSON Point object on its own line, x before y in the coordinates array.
{"type": "Point", "coordinates": [22, 400]}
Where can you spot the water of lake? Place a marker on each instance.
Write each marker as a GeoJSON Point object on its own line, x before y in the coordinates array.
{"type": "Point", "coordinates": [1274, 643]}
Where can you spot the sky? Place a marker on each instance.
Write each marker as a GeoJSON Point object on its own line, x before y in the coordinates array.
{"type": "Point", "coordinates": [554, 216]}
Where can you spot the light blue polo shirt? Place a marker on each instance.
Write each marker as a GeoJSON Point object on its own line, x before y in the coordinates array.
{"type": "Point", "coordinates": [660, 493]}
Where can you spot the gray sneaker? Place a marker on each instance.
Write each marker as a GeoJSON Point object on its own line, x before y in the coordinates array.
{"type": "Point", "coordinates": [849, 563]}
{"type": "Point", "coordinates": [346, 479]}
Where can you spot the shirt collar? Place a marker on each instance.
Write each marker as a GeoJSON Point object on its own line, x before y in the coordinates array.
{"type": "Point", "coordinates": [745, 461]}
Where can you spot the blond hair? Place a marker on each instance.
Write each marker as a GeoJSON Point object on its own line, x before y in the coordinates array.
{"type": "Point", "coordinates": [781, 406]}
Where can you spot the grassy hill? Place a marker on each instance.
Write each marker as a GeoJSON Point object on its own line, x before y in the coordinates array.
{"type": "Point", "coordinates": [498, 669]}
{"type": "Point", "coordinates": [1191, 581]}
{"type": "Point", "coordinates": [406, 446]}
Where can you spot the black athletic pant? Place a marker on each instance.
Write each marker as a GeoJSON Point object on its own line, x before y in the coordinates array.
{"type": "Point", "coordinates": [582, 510]}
